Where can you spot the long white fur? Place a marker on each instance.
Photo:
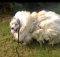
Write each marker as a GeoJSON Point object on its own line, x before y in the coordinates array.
{"type": "Point", "coordinates": [42, 25]}
{"type": "Point", "coordinates": [50, 25]}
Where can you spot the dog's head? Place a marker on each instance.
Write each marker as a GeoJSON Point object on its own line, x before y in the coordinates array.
{"type": "Point", "coordinates": [19, 20]}
{"type": "Point", "coordinates": [14, 25]}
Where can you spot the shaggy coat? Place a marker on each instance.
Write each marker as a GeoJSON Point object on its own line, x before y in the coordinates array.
{"type": "Point", "coordinates": [42, 25]}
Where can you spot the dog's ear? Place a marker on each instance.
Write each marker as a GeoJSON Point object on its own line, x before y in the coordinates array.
{"type": "Point", "coordinates": [18, 21]}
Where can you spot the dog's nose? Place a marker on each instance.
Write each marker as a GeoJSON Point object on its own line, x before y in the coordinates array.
{"type": "Point", "coordinates": [12, 28]}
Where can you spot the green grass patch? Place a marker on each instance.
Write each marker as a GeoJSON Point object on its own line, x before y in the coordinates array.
{"type": "Point", "coordinates": [8, 46]}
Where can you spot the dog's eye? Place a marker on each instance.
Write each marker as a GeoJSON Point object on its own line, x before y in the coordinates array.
{"type": "Point", "coordinates": [16, 24]}
{"type": "Point", "coordinates": [12, 28]}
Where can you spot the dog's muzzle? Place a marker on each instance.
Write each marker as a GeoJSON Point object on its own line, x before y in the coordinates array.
{"type": "Point", "coordinates": [15, 30]}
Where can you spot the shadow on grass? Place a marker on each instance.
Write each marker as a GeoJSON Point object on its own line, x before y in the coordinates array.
{"type": "Point", "coordinates": [35, 45]}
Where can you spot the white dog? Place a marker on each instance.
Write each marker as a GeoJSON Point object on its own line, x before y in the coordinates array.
{"type": "Point", "coordinates": [42, 25]}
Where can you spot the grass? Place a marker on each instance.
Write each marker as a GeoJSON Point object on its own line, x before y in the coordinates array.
{"type": "Point", "coordinates": [8, 45]}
